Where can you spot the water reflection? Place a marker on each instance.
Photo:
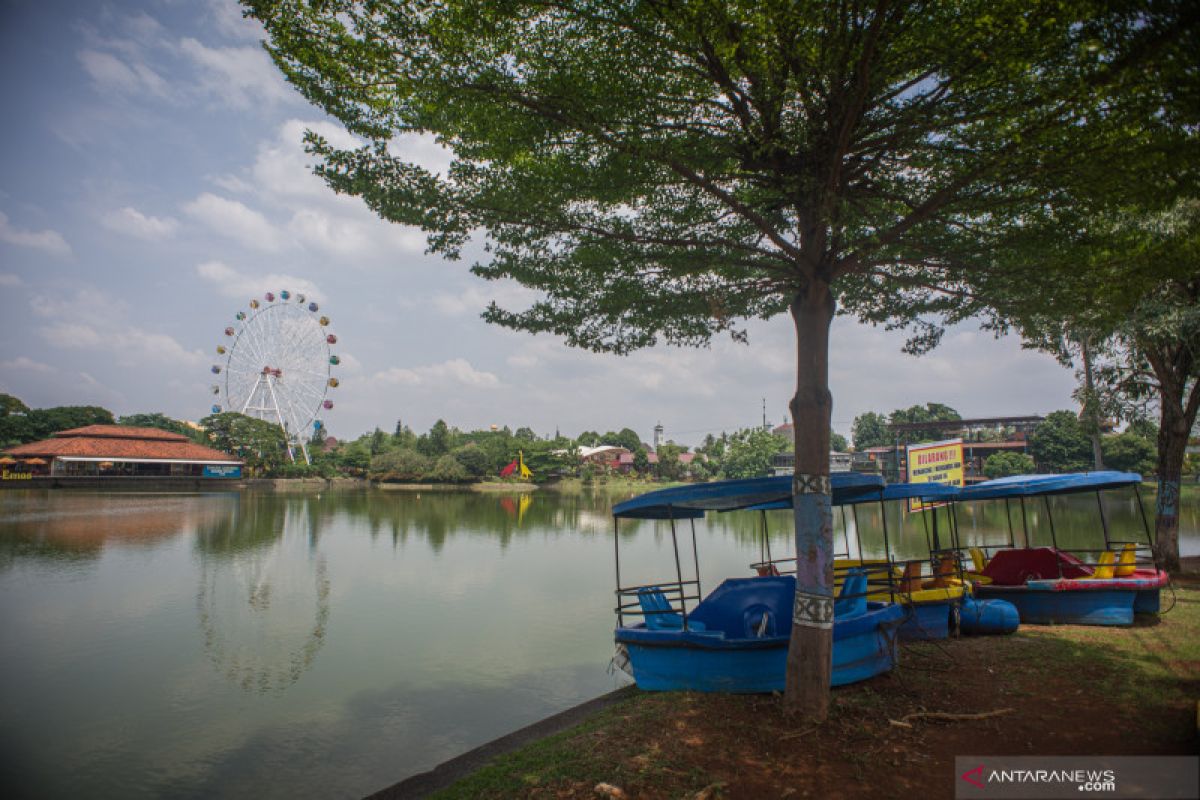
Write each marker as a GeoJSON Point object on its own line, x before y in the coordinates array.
{"type": "Point", "coordinates": [263, 595]}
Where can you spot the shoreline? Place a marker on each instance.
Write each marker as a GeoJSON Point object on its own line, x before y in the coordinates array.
{"type": "Point", "coordinates": [453, 770]}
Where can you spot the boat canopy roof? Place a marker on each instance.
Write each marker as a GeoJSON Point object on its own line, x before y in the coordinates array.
{"type": "Point", "coordinates": [1036, 485]}
{"type": "Point", "coordinates": [690, 502]}
{"type": "Point", "coordinates": [894, 491]}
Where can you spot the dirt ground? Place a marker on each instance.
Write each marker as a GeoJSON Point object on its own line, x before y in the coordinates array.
{"type": "Point", "coordinates": [1053, 691]}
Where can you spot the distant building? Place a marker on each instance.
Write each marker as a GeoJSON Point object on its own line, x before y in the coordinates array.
{"type": "Point", "coordinates": [658, 436]}
{"type": "Point", "coordinates": [124, 451]}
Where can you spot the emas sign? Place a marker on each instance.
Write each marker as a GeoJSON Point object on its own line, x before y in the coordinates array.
{"type": "Point", "coordinates": [935, 462]}
{"type": "Point", "coordinates": [1166, 777]}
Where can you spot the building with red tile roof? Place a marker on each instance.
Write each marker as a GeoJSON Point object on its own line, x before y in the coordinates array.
{"type": "Point", "coordinates": [122, 450]}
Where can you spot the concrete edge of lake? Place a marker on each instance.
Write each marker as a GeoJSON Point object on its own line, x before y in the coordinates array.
{"type": "Point", "coordinates": [459, 767]}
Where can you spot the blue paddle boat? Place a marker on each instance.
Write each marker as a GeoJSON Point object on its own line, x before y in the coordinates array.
{"type": "Point", "coordinates": [736, 639]}
{"type": "Point", "coordinates": [1050, 585]}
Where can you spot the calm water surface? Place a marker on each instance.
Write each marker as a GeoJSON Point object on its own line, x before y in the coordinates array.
{"type": "Point", "coordinates": [267, 645]}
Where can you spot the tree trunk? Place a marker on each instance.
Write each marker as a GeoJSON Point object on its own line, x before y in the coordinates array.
{"type": "Point", "coordinates": [810, 652]}
{"type": "Point", "coordinates": [1172, 445]}
{"type": "Point", "coordinates": [1091, 408]}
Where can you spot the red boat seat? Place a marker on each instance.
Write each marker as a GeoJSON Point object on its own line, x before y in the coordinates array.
{"type": "Point", "coordinates": [1014, 567]}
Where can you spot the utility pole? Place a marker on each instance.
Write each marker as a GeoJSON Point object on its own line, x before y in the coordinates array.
{"type": "Point", "coordinates": [764, 401]}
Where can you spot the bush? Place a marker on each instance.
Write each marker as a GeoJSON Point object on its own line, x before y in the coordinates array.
{"type": "Point", "coordinates": [1129, 452]}
{"type": "Point", "coordinates": [448, 470]}
{"type": "Point", "coordinates": [1001, 465]}
{"type": "Point", "coordinates": [473, 459]}
{"type": "Point", "coordinates": [402, 464]}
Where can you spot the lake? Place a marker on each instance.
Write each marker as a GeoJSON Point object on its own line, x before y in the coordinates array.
{"type": "Point", "coordinates": [318, 645]}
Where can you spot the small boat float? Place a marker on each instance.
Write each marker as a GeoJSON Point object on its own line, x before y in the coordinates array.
{"type": "Point", "coordinates": [1049, 585]}
{"type": "Point", "coordinates": [736, 639]}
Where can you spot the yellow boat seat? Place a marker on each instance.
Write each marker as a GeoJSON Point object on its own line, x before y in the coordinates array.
{"type": "Point", "coordinates": [1104, 567]}
{"type": "Point", "coordinates": [978, 559]}
{"type": "Point", "coordinates": [1127, 564]}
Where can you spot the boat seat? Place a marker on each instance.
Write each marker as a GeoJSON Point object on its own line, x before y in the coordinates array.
{"type": "Point", "coordinates": [1105, 566]}
{"type": "Point", "coordinates": [660, 616]}
{"type": "Point", "coordinates": [852, 599]}
{"type": "Point", "coordinates": [978, 559]}
{"type": "Point", "coordinates": [911, 580]}
{"type": "Point", "coordinates": [1128, 562]}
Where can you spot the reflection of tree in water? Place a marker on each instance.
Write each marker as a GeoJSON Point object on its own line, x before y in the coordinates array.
{"type": "Point", "coordinates": [62, 526]}
{"type": "Point", "coordinates": [263, 599]}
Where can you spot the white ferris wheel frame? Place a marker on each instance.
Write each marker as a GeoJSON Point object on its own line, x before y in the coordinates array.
{"type": "Point", "coordinates": [278, 368]}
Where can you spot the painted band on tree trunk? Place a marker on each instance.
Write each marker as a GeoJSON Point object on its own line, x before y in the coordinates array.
{"type": "Point", "coordinates": [813, 610]}
{"type": "Point", "coordinates": [811, 484]}
{"type": "Point", "coordinates": [1168, 498]}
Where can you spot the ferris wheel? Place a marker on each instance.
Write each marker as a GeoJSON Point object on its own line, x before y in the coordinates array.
{"type": "Point", "coordinates": [278, 365]}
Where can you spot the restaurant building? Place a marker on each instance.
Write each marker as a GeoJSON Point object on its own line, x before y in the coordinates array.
{"type": "Point", "coordinates": [122, 451]}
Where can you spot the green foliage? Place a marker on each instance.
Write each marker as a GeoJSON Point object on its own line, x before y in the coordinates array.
{"type": "Point", "coordinates": [870, 430]}
{"type": "Point", "coordinates": [914, 415]}
{"type": "Point", "coordinates": [1003, 464]}
{"type": "Point", "coordinates": [448, 470]}
{"type": "Point", "coordinates": [301, 470]}
{"type": "Point", "coordinates": [588, 439]}
{"type": "Point", "coordinates": [525, 435]}
{"type": "Point", "coordinates": [1143, 427]}
{"type": "Point", "coordinates": [473, 459]}
{"type": "Point", "coordinates": [749, 453]}
{"type": "Point", "coordinates": [669, 467]}
{"type": "Point", "coordinates": [1129, 452]}
{"type": "Point", "coordinates": [436, 442]}
{"type": "Point", "coordinates": [626, 437]}
{"type": "Point", "coordinates": [257, 442]}
{"type": "Point", "coordinates": [158, 420]}
{"type": "Point", "coordinates": [400, 465]}
{"type": "Point", "coordinates": [1059, 444]}
{"type": "Point", "coordinates": [11, 405]}
{"type": "Point", "coordinates": [838, 443]}
{"type": "Point", "coordinates": [641, 461]}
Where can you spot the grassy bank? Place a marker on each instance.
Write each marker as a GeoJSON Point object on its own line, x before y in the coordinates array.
{"type": "Point", "coordinates": [1057, 691]}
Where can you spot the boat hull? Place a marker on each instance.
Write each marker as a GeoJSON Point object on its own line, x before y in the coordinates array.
{"type": "Point", "coordinates": [1048, 606]}
{"type": "Point", "coordinates": [863, 647]}
{"type": "Point", "coordinates": [929, 620]}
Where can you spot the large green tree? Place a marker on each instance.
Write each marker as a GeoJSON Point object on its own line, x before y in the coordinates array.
{"type": "Point", "coordinates": [666, 169]}
{"type": "Point", "coordinates": [906, 422]}
{"type": "Point", "coordinates": [870, 430]}
{"type": "Point", "coordinates": [261, 444]}
{"type": "Point", "coordinates": [1138, 297]}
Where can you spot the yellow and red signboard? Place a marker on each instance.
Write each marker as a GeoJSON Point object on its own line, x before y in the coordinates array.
{"type": "Point", "coordinates": [935, 462]}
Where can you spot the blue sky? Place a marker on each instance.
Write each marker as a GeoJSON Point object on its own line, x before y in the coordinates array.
{"type": "Point", "coordinates": [154, 181]}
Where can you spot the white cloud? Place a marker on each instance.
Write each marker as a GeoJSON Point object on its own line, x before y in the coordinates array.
{"type": "Point", "coordinates": [9, 279]}
{"type": "Point", "coordinates": [235, 220]}
{"type": "Point", "coordinates": [92, 320]}
{"type": "Point", "coordinates": [347, 237]}
{"type": "Point", "coordinates": [456, 371]}
{"type": "Point", "coordinates": [240, 76]}
{"type": "Point", "coordinates": [232, 283]}
{"type": "Point", "coordinates": [283, 169]}
{"type": "Point", "coordinates": [111, 73]}
{"type": "Point", "coordinates": [473, 298]}
{"type": "Point", "coordinates": [130, 221]}
{"type": "Point", "coordinates": [24, 363]}
{"type": "Point", "coordinates": [227, 15]}
{"type": "Point", "coordinates": [50, 241]}
{"type": "Point", "coordinates": [71, 335]}
{"type": "Point", "coordinates": [423, 150]}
